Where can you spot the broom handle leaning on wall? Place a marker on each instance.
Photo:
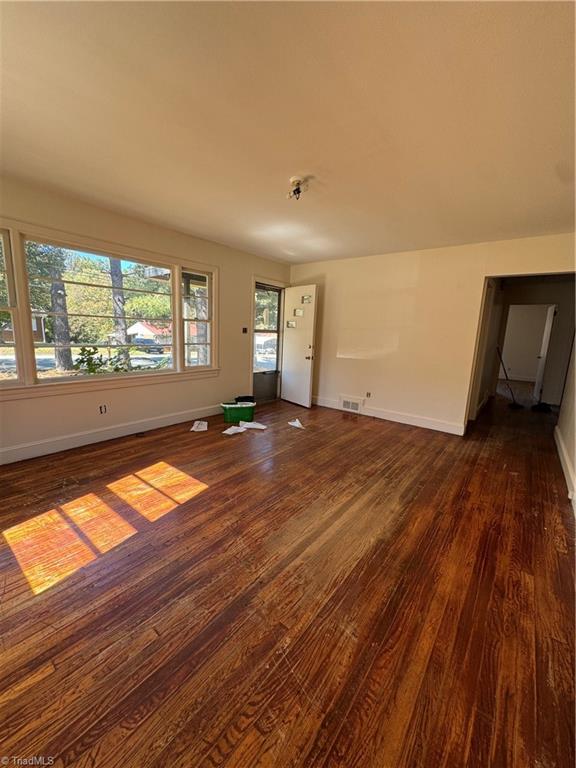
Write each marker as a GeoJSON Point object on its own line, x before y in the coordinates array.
{"type": "Point", "coordinates": [505, 373]}
{"type": "Point", "coordinates": [502, 361]}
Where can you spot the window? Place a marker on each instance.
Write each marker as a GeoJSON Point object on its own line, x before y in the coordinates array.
{"type": "Point", "coordinates": [8, 364]}
{"type": "Point", "coordinates": [97, 314]}
{"type": "Point", "coordinates": [70, 314]}
{"type": "Point", "coordinates": [266, 320]}
{"type": "Point", "coordinates": [196, 316]}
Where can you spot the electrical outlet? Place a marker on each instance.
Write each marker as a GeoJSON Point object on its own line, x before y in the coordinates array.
{"type": "Point", "coordinates": [102, 409]}
{"type": "Point", "coordinates": [368, 394]}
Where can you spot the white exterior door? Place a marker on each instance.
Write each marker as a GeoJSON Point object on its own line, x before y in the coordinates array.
{"type": "Point", "coordinates": [298, 344]}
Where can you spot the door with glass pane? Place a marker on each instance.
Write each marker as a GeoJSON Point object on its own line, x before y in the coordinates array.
{"type": "Point", "coordinates": [266, 334]}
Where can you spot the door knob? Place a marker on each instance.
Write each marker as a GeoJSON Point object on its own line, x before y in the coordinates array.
{"type": "Point", "coordinates": [308, 357]}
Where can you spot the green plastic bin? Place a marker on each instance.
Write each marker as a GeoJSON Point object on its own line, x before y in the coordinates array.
{"type": "Point", "coordinates": [235, 412]}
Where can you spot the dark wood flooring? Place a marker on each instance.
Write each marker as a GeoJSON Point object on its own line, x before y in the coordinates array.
{"type": "Point", "coordinates": [361, 593]}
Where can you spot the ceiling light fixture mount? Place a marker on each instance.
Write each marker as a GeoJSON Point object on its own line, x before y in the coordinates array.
{"type": "Point", "coordinates": [297, 186]}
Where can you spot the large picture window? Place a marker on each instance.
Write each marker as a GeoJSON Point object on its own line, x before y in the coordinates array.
{"type": "Point", "coordinates": [95, 314]}
{"type": "Point", "coordinates": [70, 313]}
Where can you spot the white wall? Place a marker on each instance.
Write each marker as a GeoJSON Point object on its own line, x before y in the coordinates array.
{"type": "Point", "coordinates": [404, 326]}
{"type": "Point", "coordinates": [34, 426]}
{"type": "Point", "coordinates": [565, 432]}
{"type": "Point", "coordinates": [523, 340]}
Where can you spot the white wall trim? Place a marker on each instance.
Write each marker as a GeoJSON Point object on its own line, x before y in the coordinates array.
{"type": "Point", "coordinates": [453, 428]}
{"type": "Point", "coordinates": [78, 386]}
{"type": "Point", "coordinates": [567, 466]}
{"type": "Point", "coordinates": [76, 439]}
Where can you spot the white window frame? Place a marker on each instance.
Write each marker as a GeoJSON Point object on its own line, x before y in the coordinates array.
{"type": "Point", "coordinates": [13, 308]}
{"type": "Point", "coordinates": [29, 385]}
{"type": "Point", "coordinates": [209, 321]}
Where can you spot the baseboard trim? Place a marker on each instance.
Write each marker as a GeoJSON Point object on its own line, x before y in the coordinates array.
{"type": "Point", "coordinates": [452, 428]}
{"type": "Point", "coordinates": [326, 402]}
{"type": "Point", "coordinates": [567, 466]}
{"type": "Point", "coordinates": [23, 451]}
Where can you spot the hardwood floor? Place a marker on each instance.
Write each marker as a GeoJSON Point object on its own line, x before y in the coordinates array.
{"type": "Point", "coordinates": [361, 593]}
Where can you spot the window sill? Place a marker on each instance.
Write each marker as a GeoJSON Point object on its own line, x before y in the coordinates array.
{"type": "Point", "coordinates": [78, 386]}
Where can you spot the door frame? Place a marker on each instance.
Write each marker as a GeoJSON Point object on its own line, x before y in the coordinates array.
{"type": "Point", "coordinates": [273, 283]}
{"type": "Point", "coordinates": [489, 294]}
{"type": "Point", "coordinates": [473, 370]}
{"type": "Point", "coordinates": [543, 356]}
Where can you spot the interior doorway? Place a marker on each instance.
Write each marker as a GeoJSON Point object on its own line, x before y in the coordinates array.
{"type": "Point", "coordinates": [524, 342]}
{"type": "Point", "coordinates": [266, 346]}
{"type": "Point", "coordinates": [525, 349]}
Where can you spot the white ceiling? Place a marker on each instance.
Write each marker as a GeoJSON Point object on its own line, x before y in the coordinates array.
{"type": "Point", "coordinates": [423, 124]}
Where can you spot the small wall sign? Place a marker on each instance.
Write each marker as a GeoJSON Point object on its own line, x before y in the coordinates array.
{"type": "Point", "coordinates": [291, 324]}
{"type": "Point", "coordinates": [298, 313]}
{"type": "Point", "coordinates": [307, 299]}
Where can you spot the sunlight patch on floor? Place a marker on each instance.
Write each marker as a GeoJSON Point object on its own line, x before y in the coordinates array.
{"type": "Point", "coordinates": [146, 500]}
{"type": "Point", "coordinates": [171, 481]}
{"type": "Point", "coordinates": [47, 549]}
{"type": "Point", "coordinates": [50, 547]}
{"type": "Point", "coordinates": [98, 522]}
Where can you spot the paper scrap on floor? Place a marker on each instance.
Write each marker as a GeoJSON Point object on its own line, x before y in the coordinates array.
{"type": "Point", "coordinates": [297, 423]}
{"type": "Point", "coordinates": [199, 426]}
{"type": "Point", "coordinates": [252, 425]}
{"type": "Point", "coordinates": [234, 430]}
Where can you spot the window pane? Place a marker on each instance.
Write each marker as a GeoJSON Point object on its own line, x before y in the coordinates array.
{"type": "Point", "coordinates": [196, 332]}
{"type": "Point", "coordinates": [84, 300]}
{"type": "Point", "coordinates": [8, 368]}
{"type": "Point", "coordinates": [146, 334]}
{"type": "Point", "coordinates": [151, 306]}
{"type": "Point", "coordinates": [266, 309]}
{"type": "Point", "coordinates": [193, 280]}
{"type": "Point", "coordinates": [265, 352]}
{"type": "Point", "coordinates": [55, 261]}
{"type": "Point", "coordinates": [3, 290]}
{"type": "Point", "coordinates": [54, 361]}
{"type": "Point", "coordinates": [196, 307]}
{"type": "Point", "coordinates": [197, 354]}
{"type": "Point", "coordinates": [123, 321]}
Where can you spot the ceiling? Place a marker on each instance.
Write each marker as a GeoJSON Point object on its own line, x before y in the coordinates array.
{"type": "Point", "coordinates": [422, 124]}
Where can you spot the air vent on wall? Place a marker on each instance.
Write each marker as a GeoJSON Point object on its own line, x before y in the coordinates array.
{"type": "Point", "coordinates": [351, 404]}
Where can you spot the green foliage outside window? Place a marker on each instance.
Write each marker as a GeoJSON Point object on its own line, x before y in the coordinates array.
{"type": "Point", "coordinates": [90, 301]}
